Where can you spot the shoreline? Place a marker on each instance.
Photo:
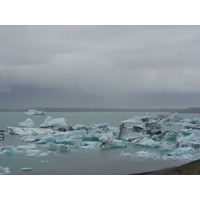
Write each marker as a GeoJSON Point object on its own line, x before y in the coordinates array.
{"type": "Point", "coordinates": [191, 168]}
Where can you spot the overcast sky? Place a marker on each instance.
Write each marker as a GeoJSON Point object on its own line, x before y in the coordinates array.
{"type": "Point", "coordinates": [116, 63]}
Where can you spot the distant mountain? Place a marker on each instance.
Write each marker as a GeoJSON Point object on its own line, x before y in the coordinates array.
{"type": "Point", "coordinates": [32, 96]}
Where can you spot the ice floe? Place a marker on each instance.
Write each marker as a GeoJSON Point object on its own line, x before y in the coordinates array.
{"type": "Point", "coordinates": [35, 112]}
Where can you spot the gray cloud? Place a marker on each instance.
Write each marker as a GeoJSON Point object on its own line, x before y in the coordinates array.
{"type": "Point", "coordinates": [113, 62]}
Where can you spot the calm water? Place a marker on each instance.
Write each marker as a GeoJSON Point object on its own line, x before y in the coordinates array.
{"type": "Point", "coordinates": [78, 161]}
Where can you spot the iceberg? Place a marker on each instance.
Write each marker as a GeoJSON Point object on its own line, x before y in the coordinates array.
{"type": "Point", "coordinates": [35, 112]}
{"type": "Point", "coordinates": [27, 123]}
{"type": "Point", "coordinates": [55, 123]}
{"type": "Point", "coordinates": [29, 131]}
{"type": "Point", "coordinates": [175, 117]}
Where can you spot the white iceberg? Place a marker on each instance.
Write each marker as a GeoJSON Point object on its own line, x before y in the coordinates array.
{"type": "Point", "coordinates": [27, 123]}
{"type": "Point", "coordinates": [35, 112]}
{"type": "Point", "coordinates": [57, 122]}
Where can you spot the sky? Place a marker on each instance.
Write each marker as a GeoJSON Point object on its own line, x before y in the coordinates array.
{"type": "Point", "coordinates": [118, 66]}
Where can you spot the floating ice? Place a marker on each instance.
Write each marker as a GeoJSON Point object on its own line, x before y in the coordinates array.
{"type": "Point", "coordinates": [8, 150]}
{"type": "Point", "coordinates": [4, 170]}
{"type": "Point", "coordinates": [147, 155]}
{"type": "Point", "coordinates": [30, 146]}
{"type": "Point", "coordinates": [125, 154]}
{"type": "Point", "coordinates": [171, 135]}
{"type": "Point", "coordinates": [29, 138]}
{"type": "Point", "coordinates": [165, 146]}
{"type": "Point", "coordinates": [32, 152]}
{"type": "Point", "coordinates": [46, 139]}
{"type": "Point", "coordinates": [35, 112]}
{"type": "Point", "coordinates": [57, 122]}
{"type": "Point", "coordinates": [43, 154]}
{"type": "Point", "coordinates": [27, 123]}
{"type": "Point", "coordinates": [29, 131]}
{"type": "Point", "coordinates": [175, 117]}
{"type": "Point", "coordinates": [186, 150]}
{"type": "Point", "coordinates": [88, 147]}
{"type": "Point", "coordinates": [147, 142]}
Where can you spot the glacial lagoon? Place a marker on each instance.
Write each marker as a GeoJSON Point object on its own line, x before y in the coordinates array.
{"type": "Point", "coordinates": [95, 144]}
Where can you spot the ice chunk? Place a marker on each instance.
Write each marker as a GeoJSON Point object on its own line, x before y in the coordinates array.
{"type": "Point", "coordinates": [195, 120]}
{"type": "Point", "coordinates": [125, 154]}
{"type": "Point", "coordinates": [30, 146]}
{"type": "Point", "coordinates": [29, 139]}
{"type": "Point", "coordinates": [29, 131]}
{"type": "Point", "coordinates": [4, 170]}
{"type": "Point", "coordinates": [8, 150]}
{"type": "Point", "coordinates": [43, 154]}
{"type": "Point", "coordinates": [165, 146]}
{"type": "Point", "coordinates": [57, 122]}
{"type": "Point", "coordinates": [32, 152]}
{"type": "Point", "coordinates": [87, 147]}
{"type": "Point", "coordinates": [183, 150]}
{"type": "Point", "coordinates": [35, 112]}
{"type": "Point", "coordinates": [147, 155]}
{"type": "Point", "coordinates": [171, 135]}
{"type": "Point", "coordinates": [135, 119]}
{"type": "Point", "coordinates": [147, 142]}
{"type": "Point", "coordinates": [46, 139]}
{"type": "Point", "coordinates": [175, 117]}
{"type": "Point", "coordinates": [100, 126]}
{"type": "Point", "coordinates": [27, 123]}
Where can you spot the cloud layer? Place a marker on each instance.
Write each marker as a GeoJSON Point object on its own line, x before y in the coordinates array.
{"type": "Point", "coordinates": [114, 62]}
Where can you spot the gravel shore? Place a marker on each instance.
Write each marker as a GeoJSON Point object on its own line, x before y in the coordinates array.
{"type": "Point", "coordinates": [192, 168]}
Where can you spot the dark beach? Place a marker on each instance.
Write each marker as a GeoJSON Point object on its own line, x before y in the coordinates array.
{"type": "Point", "coordinates": [191, 168]}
